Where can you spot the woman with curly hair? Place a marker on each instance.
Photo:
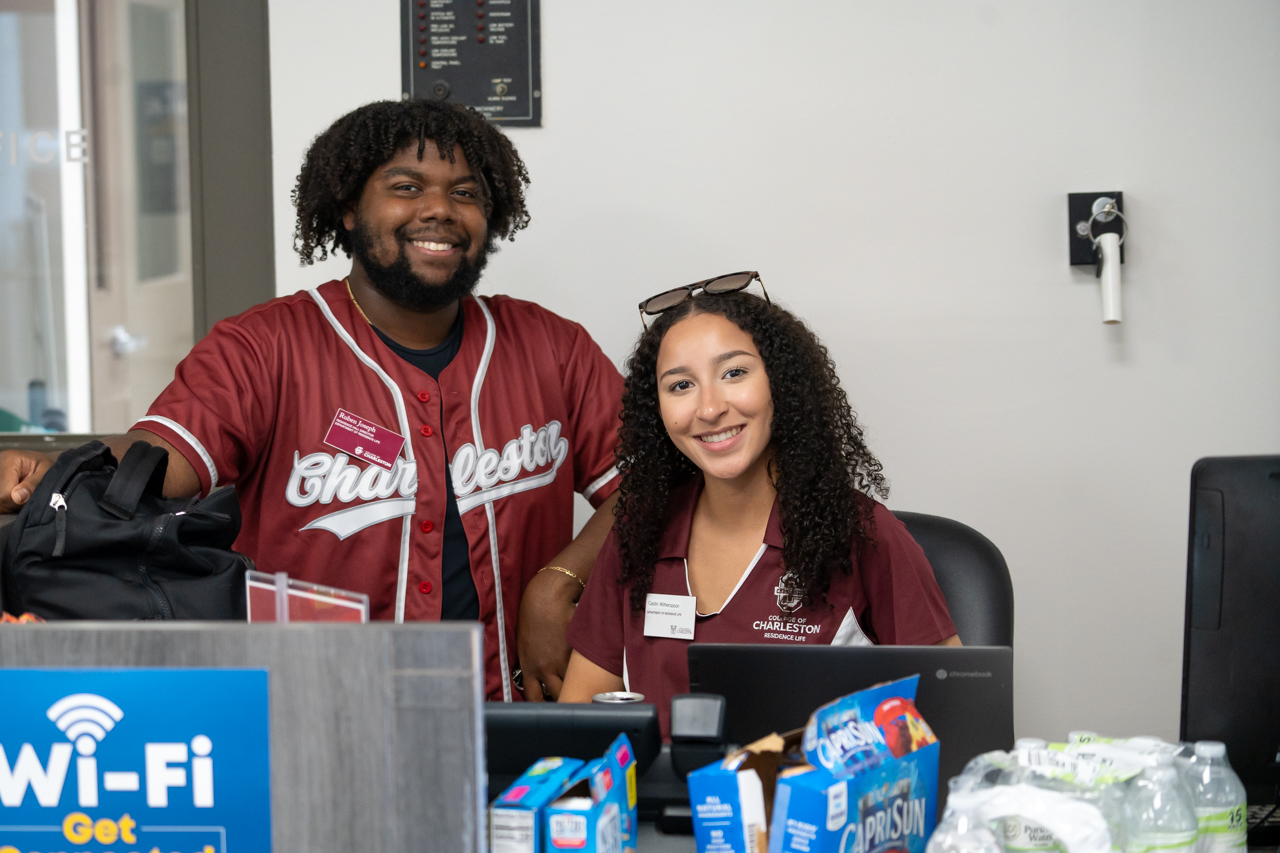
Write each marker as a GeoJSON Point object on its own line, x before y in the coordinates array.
{"type": "Point", "coordinates": [746, 513]}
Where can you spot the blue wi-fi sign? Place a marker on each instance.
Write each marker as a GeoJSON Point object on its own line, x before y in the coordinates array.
{"type": "Point", "coordinates": [134, 761]}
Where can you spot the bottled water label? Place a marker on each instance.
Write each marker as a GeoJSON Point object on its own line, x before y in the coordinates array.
{"type": "Point", "coordinates": [1221, 830]}
{"type": "Point", "coordinates": [1024, 835]}
{"type": "Point", "coordinates": [1163, 842]}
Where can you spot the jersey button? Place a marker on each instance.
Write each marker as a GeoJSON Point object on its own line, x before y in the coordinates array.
{"type": "Point", "coordinates": [427, 526]}
{"type": "Point", "coordinates": [428, 431]}
{"type": "Point", "coordinates": [425, 587]}
{"type": "Point", "coordinates": [424, 397]}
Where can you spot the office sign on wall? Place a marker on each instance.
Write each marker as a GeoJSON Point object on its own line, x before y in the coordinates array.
{"type": "Point", "coordinates": [125, 760]}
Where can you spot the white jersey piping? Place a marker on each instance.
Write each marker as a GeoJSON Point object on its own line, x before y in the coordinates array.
{"type": "Point", "coordinates": [490, 336]}
{"type": "Point", "coordinates": [406, 524]}
{"type": "Point", "coordinates": [736, 587]}
{"type": "Point", "coordinates": [599, 483]}
{"type": "Point", "coordinates": [191, 440]}
{"type": "Point", "coordinates": [497, 586]}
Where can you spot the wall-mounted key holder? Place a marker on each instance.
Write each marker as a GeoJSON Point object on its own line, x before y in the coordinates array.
{"type": "Point", "coordinates": [1080, 208]}
{"type": "Point", "coordinates": [1098, 231]}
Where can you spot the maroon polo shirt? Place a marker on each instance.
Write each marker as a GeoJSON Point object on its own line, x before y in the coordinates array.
{"type": "Point", "coordinates": [890, 598]}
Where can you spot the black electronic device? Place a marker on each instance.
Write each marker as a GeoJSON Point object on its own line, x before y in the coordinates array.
{"type": "Point", "coordinates": [697, 731]}
{"type": "Point", "coordinates": [484, 54]}
{"type": "Point", "coordinates": [519, 733]}
{"type": "Point", "coordinates": [965, 693]}
{"type": "Point", "coordinates": [1230, 671]}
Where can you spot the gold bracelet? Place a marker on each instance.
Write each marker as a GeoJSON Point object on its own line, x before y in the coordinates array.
{"type": "Point", "coordinates": [573, 575]}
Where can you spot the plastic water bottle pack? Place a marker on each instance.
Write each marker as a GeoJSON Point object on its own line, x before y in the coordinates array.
{"type": "Point", "coordinates": [1096, 795]}
{"type": "Point", "coordinates": [962, 832]}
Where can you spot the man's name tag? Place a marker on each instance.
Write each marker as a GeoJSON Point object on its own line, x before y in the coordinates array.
{"type": "Point", "coordinates": [364, 439]}
{"type": "Point", "coordinates": [670, 616]}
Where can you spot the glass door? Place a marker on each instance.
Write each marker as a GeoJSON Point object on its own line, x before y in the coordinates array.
{"type": "Point", "coordinates": [95, 245]}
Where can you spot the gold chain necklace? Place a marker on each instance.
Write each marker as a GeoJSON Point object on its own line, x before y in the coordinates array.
{"type": "Point", "coordinates": [347, 281]}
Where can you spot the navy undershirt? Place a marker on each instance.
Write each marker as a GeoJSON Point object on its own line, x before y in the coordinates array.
{"type": "Point", "coordinates": [459, 599]}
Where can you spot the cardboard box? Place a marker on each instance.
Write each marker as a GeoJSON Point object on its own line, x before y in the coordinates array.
{"type": "Point", "coordinates": [516, 822]}
{"type": "Point", "coordinates": [579, 821]}
{"type": "Point", "coordinates": [732, 798]}
{"type": "Point", "coordinates": [872, 782]}
{"type": "Point", "coordinates": [891, 808]}
{"type": "Point", "coordinates": [596, 812]}
{"type": "Point", "coordinates": [862, 777]}
{"type": "Point", "coordinates": [616, 778]}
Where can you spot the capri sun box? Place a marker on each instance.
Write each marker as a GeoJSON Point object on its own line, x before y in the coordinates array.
{"type": "Point", "coordinates": [861, 778]}
{"type": "Point", "coordinates": [516, 817]}
{"type": "Point", "coordinates": [596, 813]}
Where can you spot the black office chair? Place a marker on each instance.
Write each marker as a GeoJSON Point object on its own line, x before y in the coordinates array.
{"type": "Point", "coordinates": [972, 574]}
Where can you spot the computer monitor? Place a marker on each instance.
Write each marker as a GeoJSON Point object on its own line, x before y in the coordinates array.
{"type": "Point", "coordinates": [965, 693]}
{"type": "Point", "coordinates": [519, 733]}
{"type": "Point", "coordinates": [1231, 649]}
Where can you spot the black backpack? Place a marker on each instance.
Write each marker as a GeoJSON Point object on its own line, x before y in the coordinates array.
{"type": "Point", "coordinates": [99, 541]}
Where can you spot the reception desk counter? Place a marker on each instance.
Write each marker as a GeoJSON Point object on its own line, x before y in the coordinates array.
{"type": "Point", "coordinates": [124, 729]}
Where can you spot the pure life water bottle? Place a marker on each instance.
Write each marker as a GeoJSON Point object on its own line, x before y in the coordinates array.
{"type": "Point", "coordinates": [1219, 799]}
{"type": "Point", "coordinates": [1158, 811]}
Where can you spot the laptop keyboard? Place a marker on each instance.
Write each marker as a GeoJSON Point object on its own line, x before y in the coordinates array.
{"type": "Point", "coordinates": [1263, 816]}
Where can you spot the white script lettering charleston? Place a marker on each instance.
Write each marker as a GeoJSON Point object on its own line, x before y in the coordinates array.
{"type": "Point", "coordinates": [478, 478]}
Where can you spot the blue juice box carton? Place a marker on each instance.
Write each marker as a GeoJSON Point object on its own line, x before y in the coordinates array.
{"type": "Point", "coordinates": [516, 822]}
{"type": "Point", "coordinates": [870, 784]}
{"type": "Point", "coordinates": [596, 813]}
{"type": "Point", "coordinates": [578, 821]}
{"type": "Point", "coordinates": [731, 798]}
{"type": "Point", "coordinates": [615, 779]}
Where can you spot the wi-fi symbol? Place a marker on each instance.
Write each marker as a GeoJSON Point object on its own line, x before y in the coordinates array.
{"type": "Point", "coordinates": [85, 718]}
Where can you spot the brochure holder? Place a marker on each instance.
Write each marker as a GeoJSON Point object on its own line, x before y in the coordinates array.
{"type": "Point", "coordinates": [279, 598]}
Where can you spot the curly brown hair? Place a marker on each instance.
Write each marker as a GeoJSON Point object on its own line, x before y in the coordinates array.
{"type": "Point", "coordinates": [821, 466]}
{"type": "Point", "coordinates": [343, 158]}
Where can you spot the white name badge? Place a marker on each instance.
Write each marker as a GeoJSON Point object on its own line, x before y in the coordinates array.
{"type": "Point", "coordinates": [670, 616]}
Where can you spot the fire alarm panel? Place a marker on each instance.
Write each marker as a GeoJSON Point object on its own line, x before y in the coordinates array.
{"type": "Point", "coordinates": [481, 53]}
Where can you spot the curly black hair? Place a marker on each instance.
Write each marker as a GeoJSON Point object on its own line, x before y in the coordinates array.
{"type": "Point", "coordinates": [342, 159]}
{"type": "Point", "coordinates": [821, 466]}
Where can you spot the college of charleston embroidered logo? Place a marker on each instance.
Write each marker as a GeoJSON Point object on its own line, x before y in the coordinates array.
{"type": "Point", "coordinates": [789, 600]}
{"type": "Point", "coordinates": [384, 494]}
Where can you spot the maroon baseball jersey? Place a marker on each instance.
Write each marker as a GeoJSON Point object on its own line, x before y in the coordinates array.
{"type": "Point", "coordinates": [890, 598]}
{"type": "Point", "coordinates": [338, 448]}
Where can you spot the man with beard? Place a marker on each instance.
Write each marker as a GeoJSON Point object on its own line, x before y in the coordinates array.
{"type": "Point", "coordinates": [391, 433]}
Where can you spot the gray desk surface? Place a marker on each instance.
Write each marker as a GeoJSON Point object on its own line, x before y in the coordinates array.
{"type": "Point", "coordinates": [652, 841]}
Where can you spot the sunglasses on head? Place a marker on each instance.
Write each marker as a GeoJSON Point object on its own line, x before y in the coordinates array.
{"type": "Point", "coordinates": [728, 283]}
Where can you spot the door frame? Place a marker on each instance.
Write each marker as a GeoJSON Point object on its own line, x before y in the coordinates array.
{"type": "Point", "coordinates": [229, 120]}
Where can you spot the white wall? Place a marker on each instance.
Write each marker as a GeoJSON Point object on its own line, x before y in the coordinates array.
{"type": "Point", "coordinates": [898, 172]}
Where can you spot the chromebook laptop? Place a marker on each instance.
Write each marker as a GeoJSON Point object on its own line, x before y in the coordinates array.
{"type": "Point", "coordinates": [965, 693]}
